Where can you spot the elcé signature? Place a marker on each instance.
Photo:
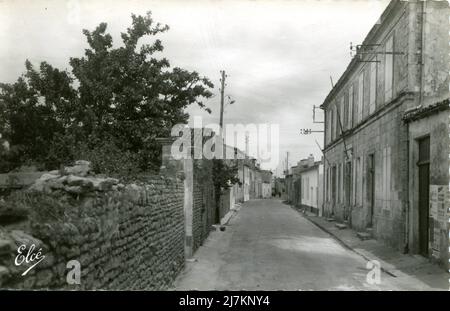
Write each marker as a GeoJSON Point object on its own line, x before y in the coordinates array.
{"type": "Point", "coordinates": [29, 257]}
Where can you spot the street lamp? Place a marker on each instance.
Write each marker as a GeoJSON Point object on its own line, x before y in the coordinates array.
{"type": "Point", "coordinates": [230, 101]}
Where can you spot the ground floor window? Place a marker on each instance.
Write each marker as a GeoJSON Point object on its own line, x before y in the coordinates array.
{"type": "Point", "coordinates": [386, 178]}
{"type": "Point", "coordinates": [358, 181]}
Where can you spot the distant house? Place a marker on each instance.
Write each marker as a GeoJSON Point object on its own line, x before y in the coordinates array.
{"type": "Point", "coordinates": [249, 174]}
{"type": "Point", "coordinates": [310, 176]}
{"type": "Point", "coordinates": [266, 178]}
{"type": "Point", "coordinates": [278, 186]}
{"type": "Point", "coordinates": [304, 185]}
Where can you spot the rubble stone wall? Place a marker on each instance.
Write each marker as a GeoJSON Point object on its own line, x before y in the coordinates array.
{"type": "Point", "coordinates": [225, 203]}
{"type": "Point", "coordinates": [204, 210]}
{"type": "Point", "coordinates": [123, 236]}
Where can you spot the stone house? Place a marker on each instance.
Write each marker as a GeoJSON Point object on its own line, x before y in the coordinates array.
{"type": "Point", "coordinates": [278, 186]}
{"type": "Point", "coordinates": [249, 174]}
{"type": "Point", "coordinates": [252, 179]}
{"type": "Point", "coordinates": [310, 175]}
{"type": "Point", "coordinates": [266, 177]}
{"type": "Point", "coordinates": [304, 184]}
{"type": "Point", "coordinates": [386, 132]}
{"type": "Point", "coordinates": [257, 183]}
{"type": "Point", "coordinates": [290, 186]}
{"type": "Point", "coordinates": [293, 185]}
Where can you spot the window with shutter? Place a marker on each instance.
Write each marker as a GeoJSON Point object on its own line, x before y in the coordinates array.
{"type": "Point", "coordinates": [389, 69]}
{"type": "Point", "coordinates": [373, 87]}
{"type": "Point", "coordinates": [360, 95]}
{"type": "Point", "coordinates": [350, 108]}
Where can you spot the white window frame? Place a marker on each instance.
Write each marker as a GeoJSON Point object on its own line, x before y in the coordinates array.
{"type": "Point", "coordinates": [341, 114]}
{"type": "Point", "coordinates": [389, 69]}
{"type": "Point", "coordinates": [359, 181]}
{"type": "Point", "coordinates": [373, 86]}
{"type": "Point", "coordinates": [338, 181]}
{"type": "Point", "coordinates": [336, 123]}
{"type": "Point", "coordinates": [330, 125]}
{"type": "Point", "coordinates": [350, 107]}
{"type": "Point", "coordinates": [386, 184]}
{"type": "Point", "coordinates": [360, 95]}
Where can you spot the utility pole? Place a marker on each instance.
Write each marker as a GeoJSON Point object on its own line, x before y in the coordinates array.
{"type": "Point", "coordinates": [246, 143]}
{"type": "Point", "coordinates": [287, 162]}
{"type": "Point", "coordinates": [244, 162]}
{"type": "Point", "coordinates": [222, 90]}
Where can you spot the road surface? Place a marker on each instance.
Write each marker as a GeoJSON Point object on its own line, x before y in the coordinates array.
{"type": "Point", "coordinates": [270, 246]}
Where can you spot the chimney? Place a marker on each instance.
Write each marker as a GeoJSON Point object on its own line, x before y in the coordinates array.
{"type": "Point", "coordinates": [310, 160]}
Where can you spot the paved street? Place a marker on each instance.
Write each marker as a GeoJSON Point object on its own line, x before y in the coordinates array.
{"type": "Point", "coordinates": [269, 246]}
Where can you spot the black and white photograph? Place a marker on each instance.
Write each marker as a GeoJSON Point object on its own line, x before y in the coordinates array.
{"type": "Point", "coordinates": [205, 146]}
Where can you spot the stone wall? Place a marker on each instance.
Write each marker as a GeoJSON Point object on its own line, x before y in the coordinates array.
{"type": "Point", "coordinates": [200, 211]}
{"type": "Point", "coordinates": [204, 211]}
{"type": "Point", "coordinates": [124, 236]}
{"type": "Point", "coordinates": [436, 52]}
{"type": "Point", "coordinates": [226, 202]}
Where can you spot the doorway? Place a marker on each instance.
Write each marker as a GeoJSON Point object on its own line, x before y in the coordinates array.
{"type": "Point", "coordinates": [348, 189]}
{"type": "Point", "coordinates": [424, 192]}
{"type": "Point", "coordinates": [333, 189]}
{"type": "Point", "coordinates": [371, 188]}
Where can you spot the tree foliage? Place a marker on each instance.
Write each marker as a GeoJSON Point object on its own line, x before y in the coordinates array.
{"type": "Point", "coordinates": [225, 175]}
{"type": "Point", "coordinates": [115, 99]}
{"type": "Point", "coordinates": [33, 110]}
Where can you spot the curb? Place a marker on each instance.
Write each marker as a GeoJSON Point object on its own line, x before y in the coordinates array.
{"type": "Point", "coordinates": [344, 244]}
{"type": "Point", "coordinates": [226, 219]}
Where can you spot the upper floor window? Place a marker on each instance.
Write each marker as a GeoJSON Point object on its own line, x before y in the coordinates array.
{"type": "Point", "coordinates": [336, 121]}
{"type": "Point", "coordinates": [333, 121]}
{"type": "Point", "coordinates": [327, 126]}
{"type": "Point", "coordinates": [350, 107]}
{"type": "Point", "coordinates": [358, 181]}
{"type": "Point", "coordinates": [389, 69]}
{"type": "Point", "coordinates": [307, 188]}
{"type": "Point", "coordinates": [345, 115]}
{"type": "Point", "coordinates": [360, 95]}
{"type": "Point", "coordinates": [373, 86]}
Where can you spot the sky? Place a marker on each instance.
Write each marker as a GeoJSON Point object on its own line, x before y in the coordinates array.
{"type": "Point", "coordinates": [279, 55]}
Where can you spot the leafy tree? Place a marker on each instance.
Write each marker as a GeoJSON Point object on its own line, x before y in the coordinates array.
{"type": "Point", "coordinates": [224, 177]}
{"type": "Point", "coordinates": [131, 95]}
{"type": "Point", "coordinates": [33, 110]}
{"type": "Point", "coordinates": [121, 98]}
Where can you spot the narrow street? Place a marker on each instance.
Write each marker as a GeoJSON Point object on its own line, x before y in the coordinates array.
{"type": "Point", "coordinates": [269, 246]}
